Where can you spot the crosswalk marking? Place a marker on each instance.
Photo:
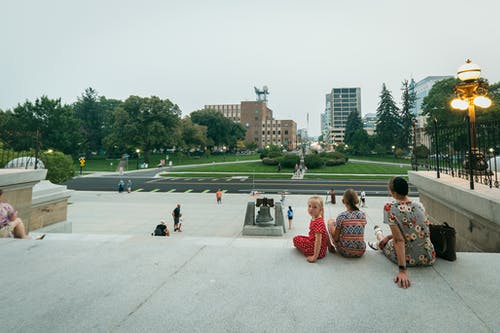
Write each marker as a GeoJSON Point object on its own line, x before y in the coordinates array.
{"type": "Point", "coordinates": [205, 191]}
{"type": "Point", "coordinates": [172, 190]}
{"type": "Point", "coordinates": [224, 191]}
{"type": "Point", "coordinates": [243, 179]}
{"type": "Point", "coordinates": [155, 190]}
{"type": "Point", "coordinates": [139, 190]}
{"type": "Point", "coordinates": [187, 191]}
{"type": "Point", "coordinates": [228, 180]}
{"type": "Point", "coordinates": [215, 179]}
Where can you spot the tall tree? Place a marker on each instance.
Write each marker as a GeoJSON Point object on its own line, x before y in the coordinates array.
{"type": "Point", "coordinates": [220, 130]}
{"type": "Point", "coordinates": [145, 123]}
{"type": "Point", "coordinates": [407, 117]}
{"type": "Point", "coordinates": [353, 124]}
{"type": "Point", "coordinates": [88, 110]}
{"type": "Point", "coordinates": [193, 135]}
{"type": "Point", "coordinates": [492, 113]}
{"type": "Point", "coordinates": [436, 105]}
{"type": "Point", "coordinates": [388, 124]}
{"type": "Point", "coordinates": [54, 126]}
{"type": "Point", "coordinates": [361, 142]}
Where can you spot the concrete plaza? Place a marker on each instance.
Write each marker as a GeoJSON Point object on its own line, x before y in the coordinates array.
{"type": "Point", "coordinates": [110, 275]}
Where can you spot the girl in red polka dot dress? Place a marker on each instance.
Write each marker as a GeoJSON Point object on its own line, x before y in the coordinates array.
{"type": "Point", "coordinates": [314, 246]}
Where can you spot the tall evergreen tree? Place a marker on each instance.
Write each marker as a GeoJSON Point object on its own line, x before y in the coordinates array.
{"type": "Point", "coordinates": [352, 125]}
{"type": "Point", "coordinates": [88, 110]}
{"type": "Point", "coordinates": [388, 124]}
{"type": "Point", "coordinates": [407, 117]}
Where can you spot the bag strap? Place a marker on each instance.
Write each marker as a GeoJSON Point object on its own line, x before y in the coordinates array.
{"type": "Point", "coordinates": [445, 241]}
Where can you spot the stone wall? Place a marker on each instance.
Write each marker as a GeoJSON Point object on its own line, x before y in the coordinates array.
{"type": "Point", "coordinates": [38, 202]}
{"type": "Point", "coordinates": [17, 185]}
{"type": "Point", "coordinates": [475, 214]}
{"type": "Point", "coordinates": [49, 206]}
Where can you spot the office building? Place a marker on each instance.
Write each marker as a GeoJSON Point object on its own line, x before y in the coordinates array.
{"type": "Point", "coordinates": [339, 104]}
{"type": "Point", "coordinates": [421, 90]}
{"type": "Point", "coordinates": [369, 123]}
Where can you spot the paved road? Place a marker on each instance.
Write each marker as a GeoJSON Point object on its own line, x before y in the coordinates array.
{"type": "Point", "coordinates": [231, 185]}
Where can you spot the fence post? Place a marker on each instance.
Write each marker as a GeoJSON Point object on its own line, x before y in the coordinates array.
{"type": "Point", "coordinates": [37, 148]}
{"type": "Point", "coordinates": [437, 146]}
{"type": "Point", "coordinates": [471, 159]}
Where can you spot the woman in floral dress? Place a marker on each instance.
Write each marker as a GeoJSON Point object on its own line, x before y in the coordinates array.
{"type": "Point", "coordinates": [409, 243]}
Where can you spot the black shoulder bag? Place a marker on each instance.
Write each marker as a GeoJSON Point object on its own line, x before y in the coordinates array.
{"type": "Point", "coordinates": [443, 237]}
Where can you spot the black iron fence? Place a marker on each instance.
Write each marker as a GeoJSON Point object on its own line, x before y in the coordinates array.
{"type": "Point", "coordinates": [10, 158]}
{"type": "Point", "coordinates": [448, 150]}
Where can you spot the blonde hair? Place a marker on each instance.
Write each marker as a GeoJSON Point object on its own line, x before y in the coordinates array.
{"type": "Point", "coordinates": [351, 199]}
{"type": "Point", "coordinates": [318, 200]}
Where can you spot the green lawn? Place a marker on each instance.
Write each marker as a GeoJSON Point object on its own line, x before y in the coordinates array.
{"type": "Point", "coordinates": [353, 167]}
{"type": "Point", "coordinates": [177, 159]}
{"type": "Point", "coordinates": [251, 167]}
{"type": "Point", "coordinates": [273, 176]}
{"type": "Point", "coordinates": [377, 158]}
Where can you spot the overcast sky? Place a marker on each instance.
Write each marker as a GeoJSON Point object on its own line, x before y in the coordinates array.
{"type": "Point", "coordinates": [215, 51]}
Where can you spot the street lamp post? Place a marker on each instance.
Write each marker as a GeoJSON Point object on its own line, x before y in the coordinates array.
{"type": "Point", "coordinates": [470, 92]}
{"type": "Point", "coordinates": [138, 151]}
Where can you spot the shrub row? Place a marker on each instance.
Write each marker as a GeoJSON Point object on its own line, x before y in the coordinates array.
{"type": "Point", "coordinates": [312, 161]}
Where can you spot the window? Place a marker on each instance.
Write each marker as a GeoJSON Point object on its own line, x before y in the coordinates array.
{"type": "Point", "coordinates": [286, 132]}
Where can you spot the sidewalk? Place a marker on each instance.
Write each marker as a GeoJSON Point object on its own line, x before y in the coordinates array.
{"type": "Point", "coordinates": [109, 275]}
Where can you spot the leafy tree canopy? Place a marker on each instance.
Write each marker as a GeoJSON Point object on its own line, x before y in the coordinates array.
{"type": "Point", "coordinates": [45, 122]}
{"type": "Point", "coordinates": [220, 130]}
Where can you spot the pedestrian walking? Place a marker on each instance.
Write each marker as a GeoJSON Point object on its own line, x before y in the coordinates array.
{"type": "Point", "coordinates": [218, 195]}
{"type": "Point", "coordinates": [279, 167]}
{"type": "Point", "coordinates": [176, 214]}
{"type": "Point", "coordinates": [332, 196]}
{"type": "Point", "coordinates": [363, 198]}
{"type": "Point", "coordinates": [283, 198]}
{"type": "Point", "coordinates": [290, 217]}
{"type": "Point", "coordinates": [129, 186]}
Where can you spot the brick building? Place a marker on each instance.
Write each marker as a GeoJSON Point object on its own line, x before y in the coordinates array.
{"type": "Point", "coordinates": [261, 127]}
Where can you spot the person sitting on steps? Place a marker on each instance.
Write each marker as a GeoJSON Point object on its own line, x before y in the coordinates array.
{"type": "Point", "coordinates": [10, 223]}
{"type": "Point", "coordinates": [409, 243]}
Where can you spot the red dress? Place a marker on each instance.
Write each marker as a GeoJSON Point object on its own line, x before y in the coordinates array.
{"type": "Point", "coordinates": [306, 243]}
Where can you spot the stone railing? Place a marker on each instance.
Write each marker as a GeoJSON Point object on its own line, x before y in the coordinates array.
{"type": "Point", "coordinates": [474, 214]}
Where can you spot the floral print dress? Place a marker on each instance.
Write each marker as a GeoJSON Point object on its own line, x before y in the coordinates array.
{"type": "Point", "coordinates": [411, 220]}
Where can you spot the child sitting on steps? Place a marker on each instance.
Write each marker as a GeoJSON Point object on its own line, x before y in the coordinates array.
{"type": "Point", "coordinates": [349, 229]}
{"type": "Point", "coordinates": [314, 245]}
